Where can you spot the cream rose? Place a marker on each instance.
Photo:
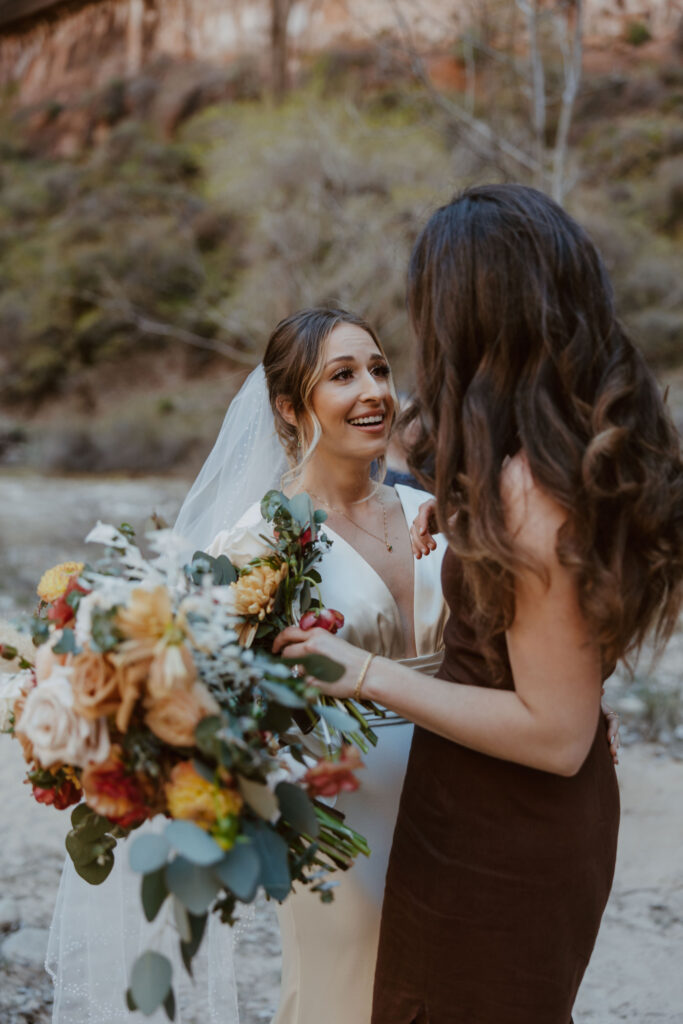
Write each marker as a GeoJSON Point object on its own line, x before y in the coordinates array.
{"type": "Point", "coordinates": [242, 543]}
{"type": "Point", "coordinates": [13, 686]}
{"type": "Point", "coordinates": [56, 733]}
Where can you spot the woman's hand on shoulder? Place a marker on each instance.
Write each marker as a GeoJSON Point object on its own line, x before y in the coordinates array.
{"type": "Point", "coordinates": [423, 528]}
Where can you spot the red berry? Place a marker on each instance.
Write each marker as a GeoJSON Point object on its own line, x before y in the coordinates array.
{"type": "Point", "coordinates": [326, 618]}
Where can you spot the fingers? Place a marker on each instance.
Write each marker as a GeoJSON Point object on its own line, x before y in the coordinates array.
{"type": "Point", "coordinates": [288, 636]}
{"type": "Point", "coordinates": [613, 734]}
{"type": "Point", "coordinates": [421, 539]}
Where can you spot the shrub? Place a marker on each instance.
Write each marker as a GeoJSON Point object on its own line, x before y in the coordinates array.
{"type": "Point", "coordinates": [637, 33]}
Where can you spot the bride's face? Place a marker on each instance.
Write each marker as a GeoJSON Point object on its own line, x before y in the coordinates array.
{"type": "Point", "coordinates": [353, 400]}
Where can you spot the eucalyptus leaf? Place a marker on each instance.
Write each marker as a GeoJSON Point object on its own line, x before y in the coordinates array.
{"type": "Point", "coordinates": [188, 949]}
{"type": "Point", "coordinates": [194, 885]}
{"type": "Point", "coordinates": [305, 597]}
{"type": "Point", "coordinates": [272, 501]}
{"type": "Point", "coordinates": [301, 508]}
{"type": "Point", "coordinates": [79, 813]}
{"type": "Point", "coordinates": [193, 843]}
{"type": "Point", "coordinates": [337, 718]}
{"type": "Point", "coordinates": [153, 893]}
{"type": "Point", "coordinates": [150, 981]}
{"type": "Point", "coordinates": [96, 871]}
{"type": "Point", "coordinates": [323, 668]}
{"type": "Point", "coordinates": [260, 797]}
{"type": "Point", "coordinates": [296, 808]}
{"type": "Point", "coordinates": [169, 1005]}
{"type": "Point", "coordinates": [67, 642]}
{"type": "Point", "coordinates": [148, 853]}
{"type": "Point", "coordinates": [206, 772]}
{"type": "Point", "coordinates": [240, 871]}
{"type": "Point", "coordinates": [272, 851]}
{"type": "Point", "coordinates": [205, 735]}
{"type": "Point", "coordinates": [282, 694]}
{"type": "Point", "coordinates": [224, 571]}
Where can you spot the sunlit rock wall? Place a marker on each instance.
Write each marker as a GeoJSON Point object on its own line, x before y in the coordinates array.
{"type": "Point", "coordinates": [60, 49]}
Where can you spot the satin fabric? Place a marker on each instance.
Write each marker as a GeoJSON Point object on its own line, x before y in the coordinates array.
{"type": "Point", "coordinates": [329, 951]}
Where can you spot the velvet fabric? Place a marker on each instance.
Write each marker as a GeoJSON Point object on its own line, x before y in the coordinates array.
{"type": "Point", "coordinates": [498, 874]}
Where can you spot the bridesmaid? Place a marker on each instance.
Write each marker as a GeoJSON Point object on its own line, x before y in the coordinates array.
{"type": "Point", "coordinates": [557, 476]}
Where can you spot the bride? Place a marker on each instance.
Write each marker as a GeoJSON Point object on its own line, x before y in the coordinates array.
{"type": "Point", "coordinates": [333, 402]}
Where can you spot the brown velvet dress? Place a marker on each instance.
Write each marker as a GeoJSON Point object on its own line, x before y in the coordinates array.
{"type": "Point", "coordinates": [498, 875]}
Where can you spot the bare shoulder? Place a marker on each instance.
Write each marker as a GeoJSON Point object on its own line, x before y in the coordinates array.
{"type": "Point", "coordinates": [533, 516]}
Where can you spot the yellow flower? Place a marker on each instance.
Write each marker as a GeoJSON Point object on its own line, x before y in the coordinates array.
{"type": "Point", "coordinates": [54, 582]}
{"type": "Point", "coordinates": [144, 622]}
{"type": "Point", "coordinates": [194, 798]}
{"type": "Point", "coordinates": [254, 592]}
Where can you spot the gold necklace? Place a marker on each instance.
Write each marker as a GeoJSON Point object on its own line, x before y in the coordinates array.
{"type": "Point", "coordinates": [340, 512]}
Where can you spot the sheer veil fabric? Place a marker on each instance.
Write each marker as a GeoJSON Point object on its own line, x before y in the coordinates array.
{"type": "Point", "coordinates": [246, 461]}
{"type": "Point", "coordinates": [97, 932]}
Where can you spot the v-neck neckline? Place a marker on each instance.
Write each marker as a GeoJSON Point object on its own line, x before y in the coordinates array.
{"type": "Point", "coordinates": [337, 536]}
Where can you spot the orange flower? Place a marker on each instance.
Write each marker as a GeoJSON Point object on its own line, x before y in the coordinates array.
{"type": "Point", "coordinates": [115, 793]}
{"type": "Point", "coordinates": [130, 679]}
{"type": "Point", "coordinates": [194, 798]}
{"type": "Point", "coordinates": [95, 686]}
{"type": "Point", "coordinates": [328, 778]}
{"type": "Point", "coordinates": [173, 668]}
{"type": "Point", "coordinates": [144, 622]}
{"type": "Point", "coordinates": [174, 716]}
{"type": "Point", "coordinates": [254, 592]}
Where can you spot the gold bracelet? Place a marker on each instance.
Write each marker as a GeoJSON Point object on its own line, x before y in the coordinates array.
{"type": "Point", "coordinates": [361, 678]}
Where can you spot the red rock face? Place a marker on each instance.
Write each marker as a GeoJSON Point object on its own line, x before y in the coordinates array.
{"type": "Point", "coordinates": [55, 49]}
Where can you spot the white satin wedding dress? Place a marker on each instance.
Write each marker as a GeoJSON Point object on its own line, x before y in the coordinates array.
{"type": "Point", "coordinates": [329, 951]}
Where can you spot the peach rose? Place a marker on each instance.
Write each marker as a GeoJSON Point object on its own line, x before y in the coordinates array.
{"type": "Point", "coordinates": [58, 734]}
{"type": "Point", "coordinates": [95, 685]}
{"type": "Point", "coordinates": [174, 716]}
{"type": "Point", "coordinates": [47, 661]}
{"type": "Point", "coordinates": [131, 680]}
{"type": "Point", "coordinates": [172, 668]}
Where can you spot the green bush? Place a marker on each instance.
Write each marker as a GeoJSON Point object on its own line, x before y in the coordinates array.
{"type": "Point", "coordinates": [637, 33]}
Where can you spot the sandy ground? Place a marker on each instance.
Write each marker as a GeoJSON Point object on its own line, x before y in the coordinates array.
{"type": "Point", "coordinates": [635, 974]}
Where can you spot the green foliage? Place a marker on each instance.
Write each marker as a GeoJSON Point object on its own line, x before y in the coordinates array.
{"type": "Point", "coordinates": [637, 33]}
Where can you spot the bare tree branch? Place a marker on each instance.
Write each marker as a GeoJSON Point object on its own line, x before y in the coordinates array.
{"type": "Point", "coordinates": [477, 130]}
{"type": "Point", "coordinates": [123, 308]}
{"type": "Point", "coordinates": [529, 9]}
{"type": "Point", "coordinates": [573, 62]}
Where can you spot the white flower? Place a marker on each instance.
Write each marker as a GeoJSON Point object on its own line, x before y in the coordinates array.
{"type": "Point", "coordinates": [111, 593]}
{"type": "Point", "coordinates": [12, 686]}
{"type": "Point", "coordinates": [242, 543]}
{"type": "Point", "coordinates": [57, 733]}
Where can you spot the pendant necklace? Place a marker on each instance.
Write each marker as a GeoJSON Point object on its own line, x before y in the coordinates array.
{"type": "Point", "coordinates": [340, 512]}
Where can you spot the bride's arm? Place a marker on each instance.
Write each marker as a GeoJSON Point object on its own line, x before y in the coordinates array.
{"type": "Point", "coordinates": [549, 720]}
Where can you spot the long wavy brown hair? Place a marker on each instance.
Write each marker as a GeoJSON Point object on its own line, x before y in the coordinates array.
{"type": "Point", "coordinates": [520, 349]}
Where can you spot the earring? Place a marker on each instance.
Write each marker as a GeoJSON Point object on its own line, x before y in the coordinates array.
{"type": "Point", "coordinates": [298, 441]}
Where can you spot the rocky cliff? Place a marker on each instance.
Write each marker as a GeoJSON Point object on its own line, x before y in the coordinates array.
{"type": "Point", "coordinates": [56, 49]}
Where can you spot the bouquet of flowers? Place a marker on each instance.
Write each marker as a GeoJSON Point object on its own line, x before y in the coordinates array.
{"type": "Point", "coordinates": [154, 692]}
